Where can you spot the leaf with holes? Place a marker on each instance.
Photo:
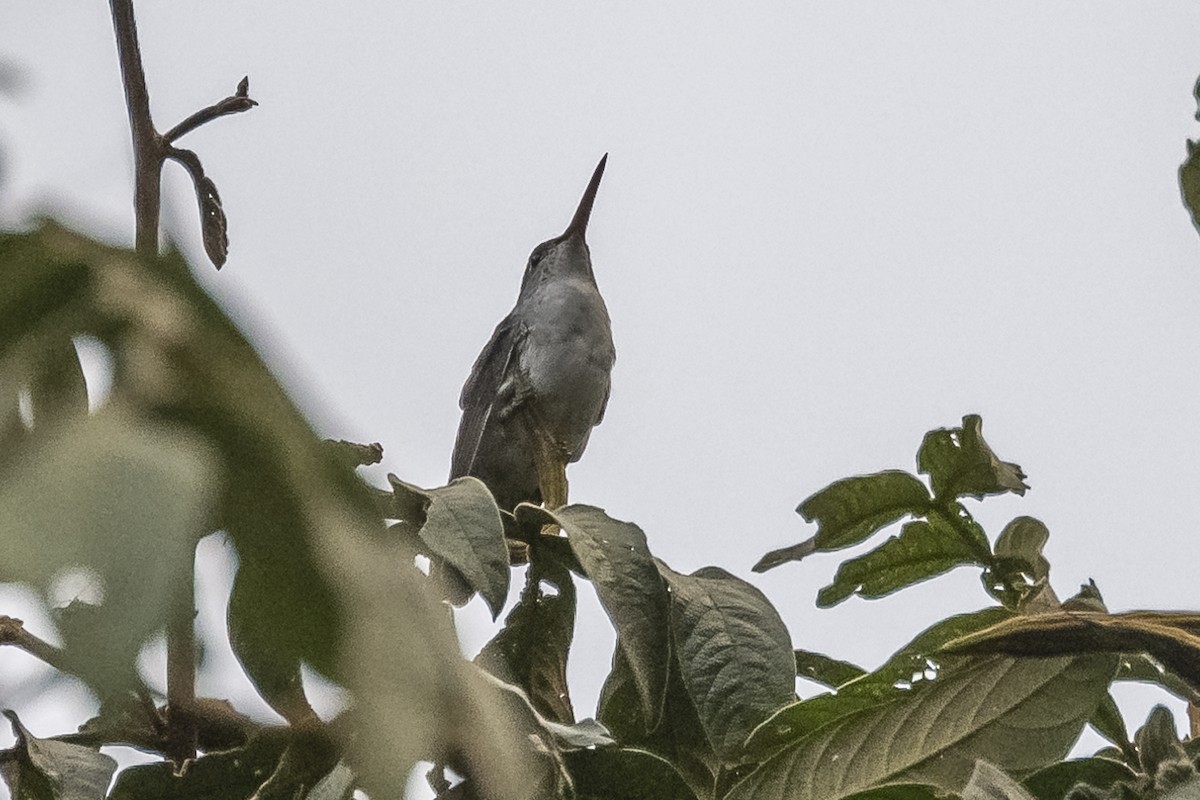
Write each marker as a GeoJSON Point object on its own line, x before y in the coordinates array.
{"type": "Point", "coordinates": [959, 462]}
{"type": "Point", "coordinates": [1019, 714]}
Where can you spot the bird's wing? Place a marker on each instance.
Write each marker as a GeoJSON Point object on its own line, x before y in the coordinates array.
{"type": "Point", "coordinates": [479, 394]}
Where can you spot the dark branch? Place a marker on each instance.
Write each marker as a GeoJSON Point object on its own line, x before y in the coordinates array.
{"type": "Point", "coordinates": [12, 631]}
{"type": "Point", "coordinates": [234, 104]}
{"type": "Point", "coordinates": [147, 146]}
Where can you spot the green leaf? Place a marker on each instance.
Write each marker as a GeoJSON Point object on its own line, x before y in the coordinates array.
{"type": "Point", "coordinates": [825, 670]}
{"type": "Point", "coordinates": [463, 527]}
{"type": "Point", "coordinates": [901, 791]}
{"type": "Point", "coordinates": [959, 462]}
{"type": "Point", "coordinates": [884, 685]}
{"type": "Point", "coordinates": [1020, 714]}
{"type": "Point", "coordinates": [120, 497]}
{"type": "Point", "coordinates": [217, 776]}
{"type": "Point", "coordinates": [794, 721]}
{"type": "Point", "coordinates": [420, 699]}
{"type": "Point", "coordinates": [1022, 541]}
{"type": "Point", "coordinates": [1109, 723]}
{"type": "Point", "coordinates": [1157, 741]}
{"type": "Point", "coordinates": [57, 389]}
{"type": "Point", "coordinates": [990, 783]}
{"type": "Point", "coordinates": [625, 774]}
{"type": "Point", "coordinates": [1189, 180]}
{"type": "Point", "coordinates": [923, 549]}
{"type": "Point", "coordinates": [850, 510]}
{"type": "Point", "coordinates": [679, 737]}
{"type": "Point", "coordinates": [1142, 668]}
{"type": "Point", "coordinates": [1167, 636]}
{"type": "Point", "coordinates": [531, 650]}
{"type": "Point", "coordinates": [274, 670]}
{"type": "Point", "coordinates": [735, 654]}
{"type": "Point", "coordinates": [1053, 782]}
{"type": "Point", "coordinates": [1019, 575]}
{"type": "Point", "coordinates": [43, 769]}
{"type": "Point", "coordinates": [618, 562]}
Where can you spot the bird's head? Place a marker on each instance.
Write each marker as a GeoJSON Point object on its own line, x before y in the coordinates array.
{"type": "Point", "coordinates": [566, 255]}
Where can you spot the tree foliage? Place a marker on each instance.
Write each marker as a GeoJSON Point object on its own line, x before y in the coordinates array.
{"type": "Point", "coordinates": [197, 436]}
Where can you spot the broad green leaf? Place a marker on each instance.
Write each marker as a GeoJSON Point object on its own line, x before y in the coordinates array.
{"type": "Point", "coordinates": [850, 510]}
{"type": "Point", "coordinates": [1053, 782]}
{"type": "Point", "coordinates": [735, 654]}
{"type": "Point", "coordinates": [1019, 714]}
{"type": "Point", "coordinates": [125, 500]}
{"type": "Point", "coordinates": [924, 549]}
{"type": "Point", "coordinates": [531, 650]}
{"type": "Point", "coordinates": [463, 527]}
{"type": "Point", "coordinates": [959, 463]}
{"type": "Point", "coordinates": [794, 721]}
{"type": "Point", "coordinates": [616, 559]}
{"type": "Point", "coordinates": [43, 769]}
{"type": "Point", "coordinates": [990, 783]}
{"type": "Point", "coordinates": [1169, 637]}
{"type": "Point", "coordinates": [216, 776]}
{"type": "Point", "coordinates": [610, 773]}
{"type": "Point", "coordinates": [825, 670]}
{"type": "Point", "coordinates": [892, 681]}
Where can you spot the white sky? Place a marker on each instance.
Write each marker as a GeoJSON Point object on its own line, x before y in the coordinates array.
{"type": "Point", "coordinates": [824, 229]}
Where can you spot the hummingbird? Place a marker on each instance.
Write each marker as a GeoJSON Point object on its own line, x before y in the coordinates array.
{"type": "Point", "coordinates": [542, 381]}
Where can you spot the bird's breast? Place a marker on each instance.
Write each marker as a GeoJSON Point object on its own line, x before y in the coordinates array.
{"type": "Point", "coordinates": [567, 357]}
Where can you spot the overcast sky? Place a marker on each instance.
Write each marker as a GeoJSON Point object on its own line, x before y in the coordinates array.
{"type": "Point", "coordinates": [824, 230]}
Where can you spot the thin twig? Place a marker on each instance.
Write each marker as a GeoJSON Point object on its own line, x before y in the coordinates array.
{"type": "Point", "coordinates": [148, 154]}
{"type": "Point", "coordinates": [147, 145]}
{"type": "Point", "coordinates": [13, 632]}
{"type": "Point", "coordinates": [234, 104]}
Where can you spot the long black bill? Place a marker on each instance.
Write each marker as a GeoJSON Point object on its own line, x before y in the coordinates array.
{"type": "Point", "coordinates": [578, 226]}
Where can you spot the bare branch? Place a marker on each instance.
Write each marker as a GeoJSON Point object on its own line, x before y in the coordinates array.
{"type": "Point", "coordinates": [147, 145]}
{"type": "Point", "coordinates": [13, 632]}
{"type": "Point", "coordinates": [234, 104]}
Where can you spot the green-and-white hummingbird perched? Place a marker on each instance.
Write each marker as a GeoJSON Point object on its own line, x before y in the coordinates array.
{"type": "Point", "coordinates": [542, 381]}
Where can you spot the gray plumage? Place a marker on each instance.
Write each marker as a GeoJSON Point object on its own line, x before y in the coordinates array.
{"type": "Point", "coordinates": [542, 381]}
